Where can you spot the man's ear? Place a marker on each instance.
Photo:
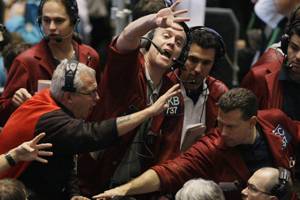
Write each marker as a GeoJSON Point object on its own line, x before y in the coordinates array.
{"type": "Point", "coordinates": [273, 198]}
{"type": "Point", "coordinates": [67, 97]}
{"type": "Point", "coordinates": [253, 121]}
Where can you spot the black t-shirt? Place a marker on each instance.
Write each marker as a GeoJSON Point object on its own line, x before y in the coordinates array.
{"type": "Point", "coordinates": [257, 155]}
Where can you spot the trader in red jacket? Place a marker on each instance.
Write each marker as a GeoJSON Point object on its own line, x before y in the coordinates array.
{"type": "Point", "coordinates": [130, 82]}
{"type": "Point", "coordinates": [200, 91]}
{"type": "Point", "coordinates": [61, 112]}
{"type": "Point", "coordinates": [277, 84]}
{"type": "Point", "coordinates": [58, 20]}
{"type": "Point", "coordinates": [244, 141]}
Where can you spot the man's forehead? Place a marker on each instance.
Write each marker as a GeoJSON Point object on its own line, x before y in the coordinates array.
{"type": "Point", "coordinates": [295, 38]}
{"type": "Point", "coordinates": [173, 31]}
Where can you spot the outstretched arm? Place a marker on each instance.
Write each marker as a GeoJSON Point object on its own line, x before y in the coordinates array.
{"type": "Point", "coordinates": [168, 17]}
{"type": "Point", "coordinates": [129, 122]}
{"type": "Point", "coordinates": [145, 183]}
{"type": "Point", "coordinates": [27, 151]}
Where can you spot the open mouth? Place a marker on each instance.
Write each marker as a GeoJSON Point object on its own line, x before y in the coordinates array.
{"type": "Point", "coordinates": [166, 53]}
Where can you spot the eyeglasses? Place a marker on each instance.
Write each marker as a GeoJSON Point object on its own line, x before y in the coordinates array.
{"type": "Point", "coordinates": [93, 93]}
{"type": "Point", "coordinates": [254, 189]}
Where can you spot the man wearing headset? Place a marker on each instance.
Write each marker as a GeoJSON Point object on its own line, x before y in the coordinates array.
{"type": "Point", "coordinates": [201, 92]}
{"type": "Point", "coordinates": [277, 83]}
{"type": "Point", "coordinates": [246, 140]}
{"type": "Point", "coordinates": [61, 113]}
{"type": "Point", "coordinates": [269, 183]}
{"type": "Point", "coordinates": [57, 19]}
{"type": "Point", "coordinates": [131, 81]}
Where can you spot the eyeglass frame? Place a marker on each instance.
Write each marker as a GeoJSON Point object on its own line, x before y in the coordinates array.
{"type": "Point", "coordinates": [253, 188]}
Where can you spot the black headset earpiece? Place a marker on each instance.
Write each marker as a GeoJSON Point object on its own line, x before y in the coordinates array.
{"type": "Point", "coordinates": [281, 190]}
{"type": "Point", "coordinates": [222, 47]}
{"type": "Point", "coordinates": [146, 43]}
{"type": "Point", "coordinates": [179, 62]}
{"type": "Point", "coordinates": [71, 7]}
{"type": "Point", "coordinates": [70, 72]}
{"type": "Point", "coordinates": [284, 40]}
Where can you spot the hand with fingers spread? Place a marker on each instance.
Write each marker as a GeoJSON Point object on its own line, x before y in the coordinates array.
{"type": "Point", "coordinates": [20, 96]}
{"type": "Point", "coordinates": [169, 17]}
{"type": "Point", "coordinates": [162, 102]}
{"type": "Point", "coordinates": [31, 150]}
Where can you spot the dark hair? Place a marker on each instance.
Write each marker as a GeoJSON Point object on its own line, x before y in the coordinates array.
{"type": "Point", "coordinates": [295, 29]}
{"type": "Point", "coordinates": [70, 6]}
{"type": "Point", "coordinates": [206, 38]}
{"type": "Point", "coordinates": [292, 27]}
{"type": "Point", "coordinates": [11, 51]}
{"type": "Point", "coordinates": [146, 7]}
{"type": "Point", "coordinates": [11, 189]}
{"type": "Point", "coordinates": [239, 98]}
{"type": "Point", "coordinates": [6, 37]}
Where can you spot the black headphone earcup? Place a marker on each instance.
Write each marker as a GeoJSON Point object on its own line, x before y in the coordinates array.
{"type": "Point", "coordinates": [281, 190]}
{"type": "Point", "coordinates": [70, 73]}
{"type": "Point", "coordinates": [284, 42]}
{"type": "Point", "coordinates": [146, 43]}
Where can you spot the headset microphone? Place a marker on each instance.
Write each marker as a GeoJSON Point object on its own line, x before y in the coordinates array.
{"type": "Point", "coordinates": [58, 38]}
{"type": "Point", "coordinates": [289, 66]}
{"type": "Point", "coordinates": [179, 63]}
{"type": "Point", "coordinates": [182, 81]}
{"type": "Point", "coordinates": [160, 50]}
{"type": "Point", "coordinates": [163, 52]}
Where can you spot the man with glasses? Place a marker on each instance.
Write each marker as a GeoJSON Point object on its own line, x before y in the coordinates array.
{"type": "Point", "coordinates": [246, 140]}
{"type": "Point", "coordinates": [268, 183]}
{"type": "Point", "coordinates": [58, 20]}
{"type": "Point", "coordinates": [61, 112]}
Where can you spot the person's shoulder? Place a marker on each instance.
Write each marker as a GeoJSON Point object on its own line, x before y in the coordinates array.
{"type": "Point", "coordinates": [88, 49]}
{"type": "Point", "coordinates": [216, 86]}
{"type": "Point", "coordinates": [273, 116]}
{"type": "Point", "coordinates": [211, 139]}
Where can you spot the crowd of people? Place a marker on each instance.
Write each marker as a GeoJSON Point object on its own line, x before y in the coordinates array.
{"type": "Point", "coordinates": [154, 123]}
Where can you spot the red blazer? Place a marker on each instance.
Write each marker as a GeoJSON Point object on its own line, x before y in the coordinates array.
{"type": "Point", "coordinates": [271, 55]}
{"type": "Point", "coordinates": [123, 89]}
{"type": "Point", "coordinates": [209, 158]}
{"type": "Point", "coordinates": [263, 81]}
{"type": "Point", "coordinates": [216, 89]}
{"type": "Point", "coordinates": [35, 64]}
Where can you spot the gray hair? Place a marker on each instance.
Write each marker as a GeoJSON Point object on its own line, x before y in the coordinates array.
{"type": "Point", "coordinates": [58, 78]}
{"type": "Point", "coordinates": [200, 189]}
{"type": "Point", "coordinates": [12, 189]}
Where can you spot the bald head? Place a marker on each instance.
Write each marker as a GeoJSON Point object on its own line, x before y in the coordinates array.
{"type": "Point", "coordinates": [266, 178]}
{"type": "Point", "coordinates": [268, 183]}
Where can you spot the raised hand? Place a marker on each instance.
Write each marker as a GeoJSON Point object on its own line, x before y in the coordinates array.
{"type": "Point", "coordinates": [162, 102]}
{"type": "Point", "coordinates": [20, 96]}
{"type": "Point", "coordinates": [169, 17]}
{"type": "Point", "coordinates": [31, 150]}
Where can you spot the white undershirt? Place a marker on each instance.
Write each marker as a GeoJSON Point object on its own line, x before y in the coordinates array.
{"type": "Point", "coordinates": [192, 113]}
{"type": "Point", "coordinates": [151, 90]}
